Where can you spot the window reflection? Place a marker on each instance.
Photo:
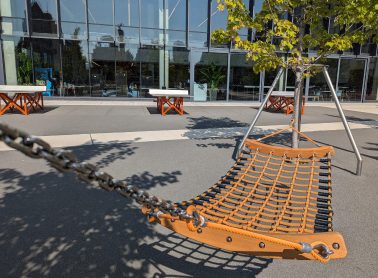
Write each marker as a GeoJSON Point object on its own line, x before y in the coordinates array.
{"type": "Point", "coordinates": [17, 61]}
{"type": "Point", "coordinates": [72, 10]}
{"type": "Point", "coordinates": [178, 68]}
{"type": "Point", "coordinates": [176, 22]}
{"type": "Point", "coordinates": [152, 13]}
{"type": "Point", "coordinates": [72, 13]}
{"type": "Point", "coordinates": [198, 22]}
{"type": "Point", "coordinates": [176, 14]}
{"type": "Point", "coordinates": [103, 33]}
{"type": "Point", "coordinates": [13, 26]}
{"type": "Point", "coordinates": [318, 89]}
{"type": "Point", "coordinates": [149, 58]}
{"type": "Point", "coordinates": [244, 83]}
{"type": "Point", "coordinates": [127, 72]}
{"type": "Point", "coordinates": [74, 31]}
{"type": "Point", "coordinates": [218, 20]}
{"type": "Point", "coordinates": [13, 8]}
{"type": "Point", "coordinates": [372, 85]}
{"type": "Point", "coordinates": [211, 72]}
{"type": "Point", "coordinates": [75, 68]}
{"type": "Point", "coordinates": [100, 12]}
{"type": "Point", "coordinates": [126, 12]}
{"type": "Point", "coordinates": [44, 16]}
{"type": "Point", "coordinates": [102, 64]}
{"type": "Point", "coordinates": [351, 76]}
{"type": "Point", "coordinates": [46, 62]}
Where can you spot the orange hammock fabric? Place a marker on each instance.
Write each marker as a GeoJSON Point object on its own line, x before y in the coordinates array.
{"type": "Point", "coordinates": [271, 194]}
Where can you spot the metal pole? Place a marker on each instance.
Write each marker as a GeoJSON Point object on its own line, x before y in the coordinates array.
{"type": "Point", "coordinates": [260, 109]}
{"type": "Point", "coordinates": [346, 126]}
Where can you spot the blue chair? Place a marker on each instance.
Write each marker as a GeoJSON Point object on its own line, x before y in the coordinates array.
{"type": "Point", "coordinates": [49, 88]}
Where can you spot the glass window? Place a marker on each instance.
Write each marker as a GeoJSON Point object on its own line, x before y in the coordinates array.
{"type": "Point", "coordinates": [75, 66]}
{"type": "Point", "coordinates": [372, 85]}
{"type": "Point", "coordinates": [244, 83]}
{"type": "Point", "coordinates": [178, 69]}
{"type": "Point", "coordinates": [127, 72]}
{"type": "Point", "coordinates": [100, 12]}
{"type": "Point", "coordinates": [149, 58]}
{"type": "Point", "coordinates": [126, 13]}
{"type": "Point", "coordinates": [176, 15]}
{"type": "Point", "coordinates": [211, 72]}
{"type": "Point", "coordinates": [46, 62]}
{"type": "Point", "coordinates": [152, 13]}
{"type": "Point", "coordinates": [176, 22]}
{"type": "Point", "coordinates": [18, 64]}
{"type": "Point", "coordinates": [13, 8]}
{"type": "Point", "coordinates": [44, 17]}
{"type": "Point", "coordinates": [218, 18]}
{"type": "Point", "coordinates": [127, 34]}
{"type": "Point", "coordinates": [13, 26]}
{"type": "Point", "coordinates": [102, 63]}
{"type": "Point", "coordinates": [176, 38]}
{"type": "Point", "coordinates": [103, 33]}
{"type": "Point", "coordinates": [198, 23]}
{"type": "Point", "coordinates": [318, 89]}
{"type": "Point", "coordinates": [72, 10]}
{"type": "Point", "coordinates": [73, 30]}
{"type": "Point", "coordinates": [218, 21]}
{"type": "Point", "coordinates": [152, 36]}
{"type": "Point", "coordinates": [43, 9]}
{"type": "Point", "coordinates": [257, 7]}
{"type": "Point", "coordinates": [351, 78]}
{"type": "Point", "coordinates": [245, 32]}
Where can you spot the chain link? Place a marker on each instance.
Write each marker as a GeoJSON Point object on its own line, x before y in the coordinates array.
{"type": "Point", "coordinates": [66, 161]}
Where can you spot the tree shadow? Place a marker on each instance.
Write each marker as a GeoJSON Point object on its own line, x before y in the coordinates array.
{"type": "Point", "coordinates": [356, 119]}
{"type": "Point", "coordinates": [105, 154]}
{"type": "Point", "coordinates": [207, 122]}
{"type": "Point", "coordinates": [374, 147]}
{"type": "Point", "coordinates": [54, 225]}
{"type": "Point", "coordinates": [199, 260]}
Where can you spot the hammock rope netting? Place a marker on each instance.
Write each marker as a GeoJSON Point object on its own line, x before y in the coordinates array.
{"type": "Point", "coordinates": [271, 194]}
{"type": "Point", "coordinates": [274, 201]}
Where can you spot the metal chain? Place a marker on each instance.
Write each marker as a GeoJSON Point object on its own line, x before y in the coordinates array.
{"type": "Point", "coordinates": [66, 161]}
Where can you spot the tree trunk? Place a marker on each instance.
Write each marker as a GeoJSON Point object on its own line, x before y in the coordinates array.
{"type": "Point", "coordinates": [298, 94]}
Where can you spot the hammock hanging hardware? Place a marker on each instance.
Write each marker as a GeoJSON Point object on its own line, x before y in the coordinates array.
{"type": "Point", "coordinates": [273, 202]}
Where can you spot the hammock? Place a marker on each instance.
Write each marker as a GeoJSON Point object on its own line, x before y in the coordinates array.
{"type": "Point", "coordinates": [273, 202]}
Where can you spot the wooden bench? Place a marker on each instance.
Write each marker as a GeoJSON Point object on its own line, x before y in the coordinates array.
{"type": "Point", "coordinates": [167, 100]}
{"type": "Point", "coordinates": [22, 98]}
{"type": "Point", "coordinates": [283, 101]}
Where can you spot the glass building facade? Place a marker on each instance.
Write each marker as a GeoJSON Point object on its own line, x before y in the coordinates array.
{"type": "Point", "coordinates": [122, 48]}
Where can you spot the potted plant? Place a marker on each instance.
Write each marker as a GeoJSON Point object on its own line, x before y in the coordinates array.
{"type": "Point", "coordinates": [24, 69]}
{"type": "Point", "coordinates": [213, 76]}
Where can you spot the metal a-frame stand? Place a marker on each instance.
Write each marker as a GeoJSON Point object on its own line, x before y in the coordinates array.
{"type": "Point", "coordinates": [338, 106]}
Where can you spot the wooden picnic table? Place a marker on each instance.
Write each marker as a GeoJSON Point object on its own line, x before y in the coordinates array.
{"type": "Point", "coordinates": [20, 97]}
{"type": "Point", "coordinates": [283, 101]}
{"type": "Point", "coordinates": [169, 100]}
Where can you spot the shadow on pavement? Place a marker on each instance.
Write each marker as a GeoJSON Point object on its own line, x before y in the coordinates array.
{"type": "Point", "coordinates": [53, 225]}
{"type": "Point", "coordinates": [199, 260]}
{"type": "Point", "coordinates": [207, 122]}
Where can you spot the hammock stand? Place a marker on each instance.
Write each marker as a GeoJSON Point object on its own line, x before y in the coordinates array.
{"type": "Point", "coordinates": [274, 202]}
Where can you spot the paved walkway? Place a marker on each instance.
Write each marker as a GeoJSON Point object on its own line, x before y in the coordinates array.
{"type": "Point", "coordinates": [51, 225]}
{"type": "Point", "coordinates": [73, 140]}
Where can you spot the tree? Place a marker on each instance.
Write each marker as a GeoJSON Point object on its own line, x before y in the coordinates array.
{"type": "Point", "coordinates": [298, 25]}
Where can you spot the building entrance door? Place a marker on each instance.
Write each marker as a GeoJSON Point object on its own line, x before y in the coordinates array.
{"type": "Point", "coordinates": [350, 84]}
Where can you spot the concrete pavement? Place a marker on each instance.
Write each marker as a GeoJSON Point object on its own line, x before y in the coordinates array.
{"type": "Point", "coordinates": [54, 226]}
